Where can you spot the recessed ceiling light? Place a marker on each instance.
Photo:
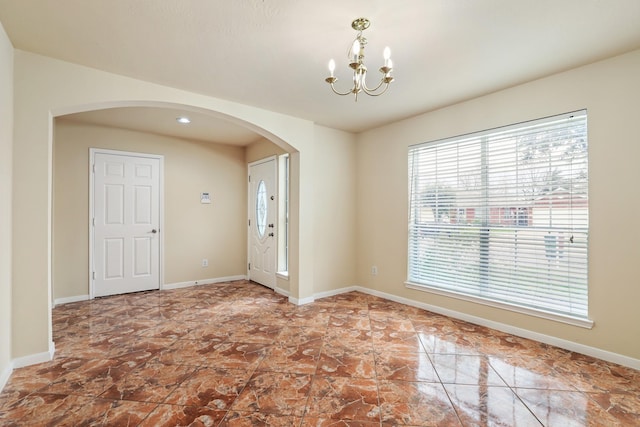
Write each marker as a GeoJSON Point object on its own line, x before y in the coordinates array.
{"type": "Point", "coordinates": [184, 120]}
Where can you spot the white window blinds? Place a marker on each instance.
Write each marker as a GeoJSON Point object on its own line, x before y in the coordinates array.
{"type": "Point", "coordinates": [502, 215]}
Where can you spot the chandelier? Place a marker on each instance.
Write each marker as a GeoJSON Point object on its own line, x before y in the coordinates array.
{"type": "Point", "coordinates": [356, 58]}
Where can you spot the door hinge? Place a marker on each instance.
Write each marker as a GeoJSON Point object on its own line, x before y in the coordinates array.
{"type": "Point", "coordinates": [93, 168]}
{"type": "Point", "coordinates": [93, 220]}
{"type": "Point", "coordinates": [249, 223]}
{"type": "Point", "coordinates": [93, 275]}
{"type": "Point", "coordinates": [249, 266]}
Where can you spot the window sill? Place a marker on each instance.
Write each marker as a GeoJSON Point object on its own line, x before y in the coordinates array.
{"type": "Point", "coordinates": [284, 275]}
{"type": "Point", "coordinates": [574, 321]}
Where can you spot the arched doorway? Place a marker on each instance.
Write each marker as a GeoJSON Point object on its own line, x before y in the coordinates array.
{"type": "Point", "coordinates": [204, 159]}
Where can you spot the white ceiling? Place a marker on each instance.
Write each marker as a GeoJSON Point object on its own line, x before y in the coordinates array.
{"type": "Point", "coordinates": [272, 54]}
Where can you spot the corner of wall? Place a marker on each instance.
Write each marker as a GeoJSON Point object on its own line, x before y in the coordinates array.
{"type": "Point", "coordinates": [6, 192]}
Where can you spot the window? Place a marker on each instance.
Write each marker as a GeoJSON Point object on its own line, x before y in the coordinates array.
{"type": "Point", "coordinates": [283, 214]}
{"type": "Point", "coordinates": [523, 241]}
{"type": "Point", "coordinates": [261, 209]}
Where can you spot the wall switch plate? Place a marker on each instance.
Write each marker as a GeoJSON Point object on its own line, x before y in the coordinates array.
{"type": "Point", "coordinates": [374, 271]}
{"type": "Point", "coordinates": [205, 262]}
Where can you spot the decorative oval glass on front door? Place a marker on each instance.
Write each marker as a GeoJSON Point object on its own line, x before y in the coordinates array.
{"type": "Point", "coordinates": [261, 209]}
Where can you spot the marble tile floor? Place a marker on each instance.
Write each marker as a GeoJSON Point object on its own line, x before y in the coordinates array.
{"type": "Point", "coordinates": [238, 354]}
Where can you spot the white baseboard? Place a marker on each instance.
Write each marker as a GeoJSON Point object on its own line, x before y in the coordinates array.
{"type": "Point", "coordinates": [524, 333]}
{"type": "Point", "coordinates": [33, 359]}
{"type": "Point", "coordinates": [331, 293]}
{"type": "Point", "coordinates": [301, 301]}
{"type": "Point", "coordinates": [4, 375]}
{"type": "Point", "coordinates": [179, 285]}
{"type": "Point", "coordinates": [324, 294]}
{"type": "Point", "coordinates": [67, 300]}
{"type": "Point", "coordinates": [281, 291]}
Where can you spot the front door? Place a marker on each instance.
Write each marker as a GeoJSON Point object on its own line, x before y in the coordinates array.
{"type": "Point", "coordinates": [126, 223]}
{"type": "Point", "coordinates": [262, 222]}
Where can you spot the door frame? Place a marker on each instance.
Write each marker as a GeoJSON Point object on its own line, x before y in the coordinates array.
{"type": "Point", "coordinates": [277, 215]}
{"type": "Point", "coordinates": [160, 158]}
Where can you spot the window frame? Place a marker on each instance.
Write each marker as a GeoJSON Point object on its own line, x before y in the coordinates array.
{"type": "Point", "coordinates": [520, 217]}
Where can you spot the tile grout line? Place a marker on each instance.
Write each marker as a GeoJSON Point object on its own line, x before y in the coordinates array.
{"type": "Point", "coordinates": [512, 389]}
{"type": "Point", "coordinates": [375, 365]}
{"type": "Point", "coordinates": [459, 359]}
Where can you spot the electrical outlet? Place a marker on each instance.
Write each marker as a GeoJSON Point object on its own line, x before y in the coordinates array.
{"type": "Point", "coordinates": [205, 262]}
{"type": "Point", "coordinates": [374, 271]}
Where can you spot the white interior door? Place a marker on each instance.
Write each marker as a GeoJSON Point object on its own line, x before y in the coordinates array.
{"type": "Point", "coordinates": [263, 238]}
{"type": "Point", "coordinates": [126, 223]}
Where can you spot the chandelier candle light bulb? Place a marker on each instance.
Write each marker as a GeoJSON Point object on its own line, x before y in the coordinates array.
{"type": "Point", "coordinates": [355, 51]}
{"type": "Point", "coordinates": [356, 58]}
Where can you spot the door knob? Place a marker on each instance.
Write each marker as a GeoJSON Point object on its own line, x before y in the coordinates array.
{"type": "Point", "coordinates": [154, 231]}
{"type": "Point", "coordinates": [270, 234]}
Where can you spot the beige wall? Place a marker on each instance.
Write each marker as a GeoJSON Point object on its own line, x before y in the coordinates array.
{"type": "Point", "coordinates": [6, 143]}
{"type": "Point", "coordinates": [368, 232]}
{"type": "Point", "coordinates": [46, 88]}
{"type": "Point", "coordinates": [335, 195]}
{"type": "Point", "coordinates": [610, 90]}
{"type": "Point", "coordinates": [261, 150]}
{"type": "Point", "coordinates": [192, 231]}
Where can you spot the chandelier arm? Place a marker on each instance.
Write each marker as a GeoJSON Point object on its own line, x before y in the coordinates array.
{"type": "Point", "coordinates": [370, 91]}
{"type": "Point", "coordinates": [340, 93]}
{"type": "Point", "coordinates": [356, 57]}
{"type": "Point", "coordinates": [386, 86]}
